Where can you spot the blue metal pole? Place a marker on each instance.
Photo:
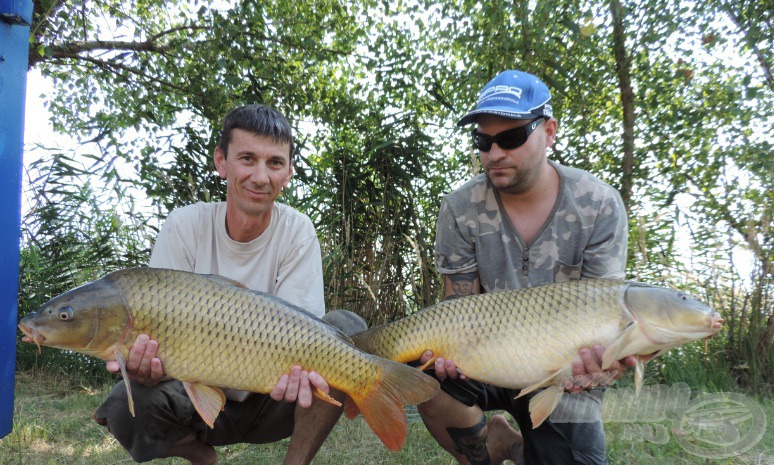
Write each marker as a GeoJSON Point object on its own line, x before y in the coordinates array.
{"type": "Point", "coordinates": [15, 18]}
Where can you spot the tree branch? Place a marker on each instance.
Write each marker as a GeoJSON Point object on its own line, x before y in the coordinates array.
{"type": "Point", "coordinates": [622, 69]}
{"type": "Point", "coordinates": [74, 49]}
{"type": "Point", "coordinates": [120, 66]}
{"type": "Point", "coordinates": [752, 43]}
{"type": "Point", "coordinates": [69, 49]}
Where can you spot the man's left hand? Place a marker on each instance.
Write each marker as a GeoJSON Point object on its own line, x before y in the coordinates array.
{"type": "Point", "coordinates": [297, 386]}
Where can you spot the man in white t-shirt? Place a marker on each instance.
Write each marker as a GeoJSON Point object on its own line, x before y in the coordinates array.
{"type": "Point", "coordinates": [268, 247]}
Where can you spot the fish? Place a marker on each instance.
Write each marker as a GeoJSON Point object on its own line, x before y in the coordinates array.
{"type": "Point", "coordinates": [527, 339]}
{"type": "Point", "coordinates": [214, 333]}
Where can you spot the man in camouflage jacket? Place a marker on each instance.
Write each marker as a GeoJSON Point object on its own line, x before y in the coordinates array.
{"type": "Point", "coordinates": [525, 221]}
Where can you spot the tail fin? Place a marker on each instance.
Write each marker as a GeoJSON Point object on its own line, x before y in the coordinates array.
{"type": "Point", "coordinates": [382, 407]}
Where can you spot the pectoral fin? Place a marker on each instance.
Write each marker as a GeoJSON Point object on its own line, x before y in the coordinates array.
{"type": "Point", "coordinates": [207, 400]}
{"type": "Point", "coordinates": [619, 346]}
{"type": "Point", "coordinates": [639, 374]}
{"type": "Point", "coordinates": [541, 406]}
{"type": "Point", "coordinates": [122, 364]}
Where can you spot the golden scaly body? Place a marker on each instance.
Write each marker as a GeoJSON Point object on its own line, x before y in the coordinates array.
{"type": "Point", "coordinates": [510, 339]}
{"type": "Point", "coordinates": [231, 336]}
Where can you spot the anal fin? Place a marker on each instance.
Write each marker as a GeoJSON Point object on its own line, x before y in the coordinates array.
{"type": "Point", "coordinates": [325, 397]}
{"type": "Point", "coordinates": [427, 364]}
{"type": "Point", "coordinates": [207, 400]}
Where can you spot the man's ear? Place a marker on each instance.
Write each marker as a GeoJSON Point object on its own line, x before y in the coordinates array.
{"type": "Point", "coordinates": [290, 175]}
{"type": "Point", "coordinates": [550, 128]}
{"type": "Point", "coordinates": [220, 162]}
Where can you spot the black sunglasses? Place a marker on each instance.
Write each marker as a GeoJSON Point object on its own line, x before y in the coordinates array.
{"type": "Point", "coordinates": [506, 140]}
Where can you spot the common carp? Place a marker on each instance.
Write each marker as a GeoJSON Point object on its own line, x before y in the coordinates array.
{"type": "Point", "coordinates": [214, 333]}
{"type": "Point", "coordinates": [527, 339]}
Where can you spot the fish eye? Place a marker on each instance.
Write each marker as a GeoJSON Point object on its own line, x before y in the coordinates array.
{"type": "Point", "coordinates": [65, 313]}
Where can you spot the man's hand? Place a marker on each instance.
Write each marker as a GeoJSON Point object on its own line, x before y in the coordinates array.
{"type": "Point", "coordinates": [443, 368]}
{"type": "Point", "coordinates": [142, 366]}
{"type": "Point", "coordinates": [297, 386]}
{"type": "Point", "coordinates": [591, 363]}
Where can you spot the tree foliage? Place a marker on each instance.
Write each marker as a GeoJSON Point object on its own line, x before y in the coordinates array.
{"type": "Point", "coordinates": [671, 102]}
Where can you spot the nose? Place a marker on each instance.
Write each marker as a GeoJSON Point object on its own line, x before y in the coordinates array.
{"type": "Point", "coordinates": [496, 153]}
{"type": "Point", "coordinates": [260, 174]}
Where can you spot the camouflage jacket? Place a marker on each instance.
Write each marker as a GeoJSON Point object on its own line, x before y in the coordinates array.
{"type": "Point", "coordinates": [585, 235]}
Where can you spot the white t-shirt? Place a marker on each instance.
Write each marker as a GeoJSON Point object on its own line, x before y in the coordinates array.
{"type": "Point", "coordinates": [284, 260]}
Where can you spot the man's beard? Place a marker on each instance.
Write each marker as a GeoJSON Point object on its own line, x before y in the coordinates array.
{"type": "Point", "coordinates": [521, 181]}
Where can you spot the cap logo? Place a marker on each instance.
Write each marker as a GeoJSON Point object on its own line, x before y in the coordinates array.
{"type": "Point", "coordinates": [501, 93]}
{"type": "Point", "coordinates": [513, 95]}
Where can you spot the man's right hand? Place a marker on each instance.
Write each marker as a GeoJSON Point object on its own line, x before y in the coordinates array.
{"type": "Point", "coordinates": [443, 368]}
{"type": "Point", "coordinates": [297, 386]}
{"type": "Point", "coordinates": [142, 366]}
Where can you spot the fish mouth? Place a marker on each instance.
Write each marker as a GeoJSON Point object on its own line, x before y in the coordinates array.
{"type": "Point", "coordinates": [32, 336]}
{"type": "Point", "coordinates": [716, 324]}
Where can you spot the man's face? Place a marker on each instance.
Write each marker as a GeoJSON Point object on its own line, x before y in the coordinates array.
{"type": "Point", "coordinates": [516, 170]}
{"type": "Point", "coordinates": [256, 169]}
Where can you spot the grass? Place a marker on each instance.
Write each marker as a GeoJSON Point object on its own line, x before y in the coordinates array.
{"type": "Point", "coordinates": [52, 425]}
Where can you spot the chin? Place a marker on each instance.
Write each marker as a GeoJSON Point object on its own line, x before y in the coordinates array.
{"type": "Point", "coordinates": [506, 185]}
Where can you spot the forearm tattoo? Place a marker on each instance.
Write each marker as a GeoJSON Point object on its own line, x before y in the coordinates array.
{"type": "Point", "coordinates": [461, 284]}
{"type": "Point", "coordinates": [472, 443]}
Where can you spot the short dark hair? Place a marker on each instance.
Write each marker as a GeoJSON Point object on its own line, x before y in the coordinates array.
{"type": "Point", "coordinates": [257, 119]}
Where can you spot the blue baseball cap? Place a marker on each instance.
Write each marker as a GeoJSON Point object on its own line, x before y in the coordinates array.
{"type": "Point", "coordinates": [512, 94]}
